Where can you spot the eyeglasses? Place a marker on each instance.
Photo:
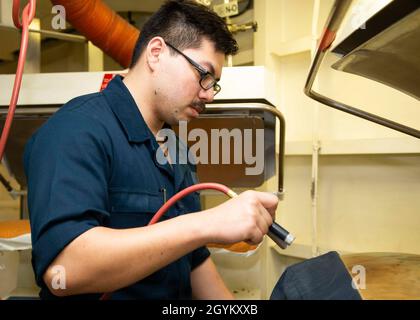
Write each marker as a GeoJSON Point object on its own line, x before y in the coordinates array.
{"type": "Point", "coordinates": [207, 79]}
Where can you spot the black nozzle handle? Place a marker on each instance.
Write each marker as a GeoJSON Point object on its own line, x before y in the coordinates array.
{"type": "Point", "coordinates": [280, 236]}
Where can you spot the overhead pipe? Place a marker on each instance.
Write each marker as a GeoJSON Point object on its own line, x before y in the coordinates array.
{"type": "Point", "coordinates": [333, 23]}
{"type": "Point", "coordinates": [103, 27]}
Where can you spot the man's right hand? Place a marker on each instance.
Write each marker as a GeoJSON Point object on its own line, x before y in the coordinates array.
{"type": "Point", "coordinates": [144, 250]}
{"type": "Point", "coordinates": [246, 217]}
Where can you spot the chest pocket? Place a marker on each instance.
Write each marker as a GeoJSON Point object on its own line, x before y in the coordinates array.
{"type": "Point", "coordinates": [134, 209]}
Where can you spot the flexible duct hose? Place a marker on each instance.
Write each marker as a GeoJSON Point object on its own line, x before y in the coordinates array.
{"type": "Point", "coordinates": [103, 27]}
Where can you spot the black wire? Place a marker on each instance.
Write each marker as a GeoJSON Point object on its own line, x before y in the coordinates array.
{"type": "Point", "coordinates": [130, 18]}
{"type": "Point", "coordinates": [5, 183]}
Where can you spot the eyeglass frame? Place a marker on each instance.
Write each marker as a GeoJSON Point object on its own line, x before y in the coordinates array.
{"type": "Point", "coordinates": [202, 71]}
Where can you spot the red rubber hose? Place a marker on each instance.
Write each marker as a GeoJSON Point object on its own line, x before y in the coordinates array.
{"type": "Point", "coordinates": [27, 17]}
{"type": "Point", "coordinates": [187, 191]}
{"type": "Point", "coordinates": [31, 6]}
{"type": "Point", "coordinates": [179, 196]}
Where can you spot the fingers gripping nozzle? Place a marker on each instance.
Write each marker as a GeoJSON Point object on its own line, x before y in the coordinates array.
{"type": "Point", "coordinates": [278, 234]}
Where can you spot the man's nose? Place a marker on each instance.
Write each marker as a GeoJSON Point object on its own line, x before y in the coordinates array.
{"type": "Point", "coordinates": [206, 95]}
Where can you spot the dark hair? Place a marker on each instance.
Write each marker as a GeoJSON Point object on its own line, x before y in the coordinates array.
{"type": "Point", "coordinates": [183, 24]}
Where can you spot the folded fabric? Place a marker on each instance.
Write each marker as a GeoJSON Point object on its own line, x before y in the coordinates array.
{"type": "Point", "coordinates": [321, 278]}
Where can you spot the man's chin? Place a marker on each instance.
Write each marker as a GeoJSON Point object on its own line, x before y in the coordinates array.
{"type": "Point", "coordinates": [191, 114]}
{"type": "Point", "coordinates": [176, 122]}
{"type": "Point", "coordinates": [188, 115]}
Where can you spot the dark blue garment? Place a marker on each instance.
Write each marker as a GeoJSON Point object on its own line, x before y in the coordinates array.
{"type": "Point", "coordinates": [321, 278]}
{"type": "Point", "coordinates": [93, 163]}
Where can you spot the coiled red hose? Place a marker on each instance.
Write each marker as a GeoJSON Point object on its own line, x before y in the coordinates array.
{"type": "Point", "coordinates": [27, 17]}
{"type": "Point", "coordinates": [183, 193]}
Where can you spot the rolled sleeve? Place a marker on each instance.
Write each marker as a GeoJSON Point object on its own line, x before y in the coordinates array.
{"type": "Point", "coordinates": [67, 165]}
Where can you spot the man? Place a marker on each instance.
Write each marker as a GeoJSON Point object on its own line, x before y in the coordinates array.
{"type": "Point", "coordinates": [94, 182]}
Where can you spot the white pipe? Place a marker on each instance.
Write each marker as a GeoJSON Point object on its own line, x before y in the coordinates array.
{"type": "Point", "coordinates": [315, 141]}
{"type": "Point", "coordinates": [229, 57]}
{"type": "Point", "coordinates": [49, 33]}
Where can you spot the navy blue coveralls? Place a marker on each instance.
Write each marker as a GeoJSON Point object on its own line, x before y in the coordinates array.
{"type": "Point", "coordinates": [93, 163]}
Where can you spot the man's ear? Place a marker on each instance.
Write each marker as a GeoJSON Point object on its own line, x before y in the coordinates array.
{"type": "Point", "coordinates": [153, 51]}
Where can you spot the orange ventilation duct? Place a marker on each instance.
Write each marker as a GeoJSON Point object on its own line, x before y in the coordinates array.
{"type": "Point", "coordinates": [103, 27]}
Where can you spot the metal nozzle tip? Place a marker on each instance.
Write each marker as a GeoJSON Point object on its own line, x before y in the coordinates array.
{"type": "Point", "coordinates": [289, 239]}
{"type": "Point", "coordinates": [278, 194]}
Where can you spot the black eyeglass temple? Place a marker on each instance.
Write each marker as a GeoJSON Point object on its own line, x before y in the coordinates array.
{"type": "Point", "coordinates": [216, 87]}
